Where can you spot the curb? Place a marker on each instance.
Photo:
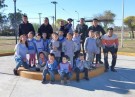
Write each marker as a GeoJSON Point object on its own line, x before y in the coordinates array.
{"type": "Point", "coordinates": [6, 54]}
{"type": "Point", "coordinates": [119, 53]}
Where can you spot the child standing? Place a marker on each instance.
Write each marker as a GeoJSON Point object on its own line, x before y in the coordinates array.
{"type": "Point", "coordinates": [77, 39]}
{"type": "Point", "coordinates": [31, 49]}
{"type": "Point", "coordinates": [81, 66]}
{"type": "Point", "coordinates": [45, 42]}
{"type": "Point", "coordinates": [69, 47]}
{"type": "Point", "coordinates": [55, 46]}
{"type": "Point", "coordinates": [21, 49]}
{"type": "Point", "coordinates": [64, 69]}
{"type": "Point", "coordinates": [51, 68]}
{"type": "Point", "coordinates": [90, 47]}
{"type": "Point", "coordinates": [42, 61]}
{"type": "Point", "coordinates": [39, 44]}
{"type": "Point", "coordinates": [99, 45]}
{"type": "Point", "coordinates": [61, 40]}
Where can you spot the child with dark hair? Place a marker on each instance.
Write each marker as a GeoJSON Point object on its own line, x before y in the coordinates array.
{"type": "Point", "coordinates": [77, 39]}
{"type": "Point", "coordinates": [21, 49]}
{"type": "Point", "coordinates": [65, 69]}
{"type": "Point", "coordinates": [81, 66]}
{"type": "Point", "coordinates": [31, 49]}
{"type": "Point", "coordinates": [50, 68]}
{"type": "Point", "coordinates": [99, 45]}
{"type": "Point", "coordinates": [69, 47]}
{"type": "Point", "coordinates": [90, 47]}
{"type": "Point", "coordinates": [45, 42]}
{"type": "Point", "coordinates": [42, 61]}
{"type": "Point", "coordinates": [55, 46]}
{"type": "Point", "coordinates": [39, 44]}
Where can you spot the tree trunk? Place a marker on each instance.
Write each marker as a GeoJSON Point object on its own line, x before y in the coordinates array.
{"type": "Point", "coordinates": [133, 34]}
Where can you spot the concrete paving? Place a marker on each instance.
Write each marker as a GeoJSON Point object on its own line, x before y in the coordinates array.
{"type": "Point", "coordinates": [120, 84]}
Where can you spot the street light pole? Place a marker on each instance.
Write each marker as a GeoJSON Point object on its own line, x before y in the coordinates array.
{"type": "Point", "coordinates": [122, 30]}
{"type": "Point", "coordinates": [39, 18]}
{"type": "Point", "coordinates": [77, 14]}
{"type": "Point", "coordinates": [54, 2]}
{"type": "Point", "coordinates": [15, 26]}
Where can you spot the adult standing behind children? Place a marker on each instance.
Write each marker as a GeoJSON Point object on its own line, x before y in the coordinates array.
{"type": "Point", "coordinates": [96, 27]}
{"type": "Point", "coordinates": [110, 44]}
{"type": "Point", "coordinates": [46, 28]}
{"type": "Point", "coordinates": [25, 27]}
{"type": "Point", "coordinates": [68, 27]}
{"type": "Point", "coordinates": [82, 29]}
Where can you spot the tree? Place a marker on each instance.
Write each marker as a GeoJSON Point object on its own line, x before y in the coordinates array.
{"type": "Point", "coordinates": [3, 18]}
{"type": "Point", "coordinates": [36, 26]}
{"type": "Point", "coordinates": [130, 22]}
{"type": "Point", "coordinates": [18, 18]}
{"type": "Point", "coordinates": [58, 22]}
{"type": "Point", "coordinates": [107, 18]}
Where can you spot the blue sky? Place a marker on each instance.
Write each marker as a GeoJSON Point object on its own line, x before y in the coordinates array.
{"type": "Point", "coordinates": [67, 8]}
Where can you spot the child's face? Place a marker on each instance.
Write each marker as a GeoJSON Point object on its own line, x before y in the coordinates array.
{"type": "Point", "coordinates": [81, 58]}
{"type": "Point", "coordinates": [69, 37]}
{"type": "Point", "coordinates": [41, 56]}
{"type": "Point", "coordinates": [64, 60]}
{"type": "Point", "coordinates": [44, 35]}
{"type": "Point", "coordinates": [30, 35]}
{"type": "Point", "coordinates": [91, 34]}
{"type": "Point", "coordinates": [97, 35]}
{"type": "Point", "coordinates": [38, 37]}
{"type": "Point", "coordinates": [51, 58]}
{"type": "Point", "coordinates": [75, 34]}
{"type": "Point", "coordinates": [60, 33]}
{"type": "Point", "coordinates": [55, 37]}
{"type": "Point", "coordinates": [23, 38]}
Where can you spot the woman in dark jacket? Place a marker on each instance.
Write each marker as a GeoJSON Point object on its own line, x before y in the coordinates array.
{"type": "Point", "coordinates": [46, 28]}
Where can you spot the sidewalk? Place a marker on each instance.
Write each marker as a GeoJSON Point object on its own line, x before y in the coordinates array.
{"type": "Point", "coordinates": [120, 84]}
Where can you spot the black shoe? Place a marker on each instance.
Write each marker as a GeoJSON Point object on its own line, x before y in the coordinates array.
{"type": "Point", "coordinates": [15, 72]}
{"type": "Point", "coordinates": [86, 78]}
{"type": "Point", "coordinates": [100, 62]}
{"type": "Point", "coordinates": [113, 70]}
{"type": "Point", "coordinates": [37, 69]}
{"type": "Point", "coordinates": [77, 80]}
{"type": "Point", "coordinates": [43, 82]}
{"type": "Point", "coordinates": [106, 70]}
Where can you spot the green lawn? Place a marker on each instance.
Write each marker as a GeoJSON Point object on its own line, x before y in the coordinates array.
{"type": "Point", "coordinates": [7, 46]}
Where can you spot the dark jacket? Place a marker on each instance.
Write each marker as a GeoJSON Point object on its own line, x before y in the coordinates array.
{"type": "Point", "coordinates": [25, 28]}
{"type": "Point", "coordinates": [82, 29]}
{"type": "Point", "coordinates": [46, 29]}
{"type": "Point", "coordinates": [97, 28]}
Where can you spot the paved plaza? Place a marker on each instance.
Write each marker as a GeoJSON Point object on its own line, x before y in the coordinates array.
{"type": "Point", "coordinates": [119, 84]}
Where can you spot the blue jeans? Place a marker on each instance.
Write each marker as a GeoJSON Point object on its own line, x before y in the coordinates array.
{"type": "Point", "coordinates": [50, 72]}
{"type": "Point", "coordinates": [64, 74]}
{"type": "Point", "coordinates": [20, 62]}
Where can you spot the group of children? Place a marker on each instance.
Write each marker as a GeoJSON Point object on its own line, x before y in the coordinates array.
{"type": "Point", "coordinates": [61, 54]}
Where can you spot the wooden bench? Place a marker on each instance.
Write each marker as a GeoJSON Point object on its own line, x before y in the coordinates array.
{"type": "Point", "coordinates": [38, 75]}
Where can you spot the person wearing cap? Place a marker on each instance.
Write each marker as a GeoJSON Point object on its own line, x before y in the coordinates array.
{"type": "Point", "coordinates": [82, 29]}
{"type": "Point", "coordinates": [110, 44]}
{"type": "Point", "coordinates": [68, 27]}
{"type": "Point", "coordinates": [25, 27]}
{"type": "Point", "coordinates": [96, 27]}
{"type": "Point", "coordinates": [46, 28]}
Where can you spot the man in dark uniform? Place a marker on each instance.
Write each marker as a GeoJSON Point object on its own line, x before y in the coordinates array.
{"type": "Point", "coordinates": [25, 27]}
{"type": "Point", "coordinates": [98, 28]}
{"type": "Point", "coordinates": [82, 29]}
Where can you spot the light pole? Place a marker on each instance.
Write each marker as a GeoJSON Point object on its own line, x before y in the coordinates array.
{"type": "Point", "coordinates": [15, 20]}
{"type": "Point", "coordinates": [39, 18]}
{"type": "Point", "coordinates": [122, 29]}
{"type": "Point", "coordinates": [54, 2]}
{"type": "Point", "coordinates": [77, 14]}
